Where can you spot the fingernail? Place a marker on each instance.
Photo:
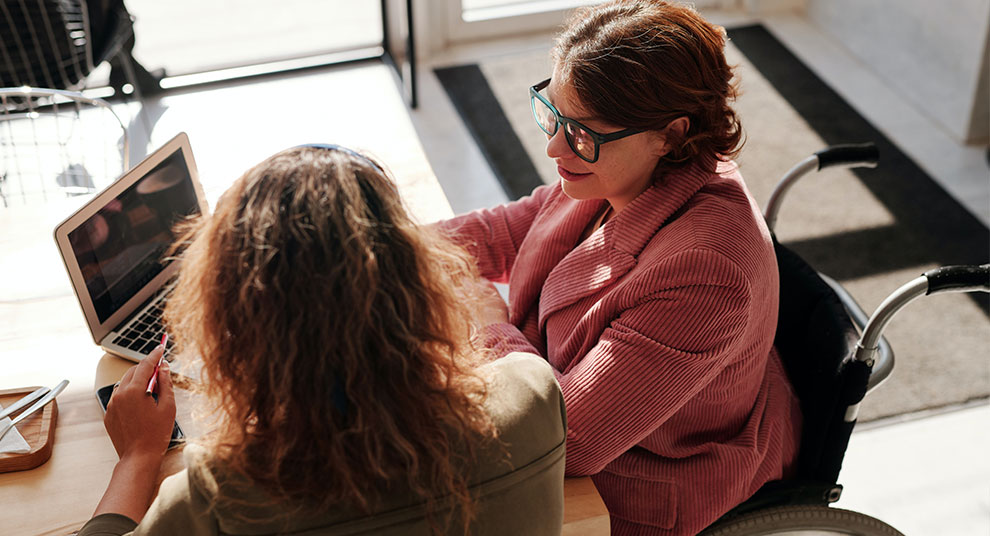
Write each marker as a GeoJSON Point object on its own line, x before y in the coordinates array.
{"type": "Point", "coordinates": [159, 347]}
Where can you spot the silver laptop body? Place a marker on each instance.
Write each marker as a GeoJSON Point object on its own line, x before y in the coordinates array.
{"type": "Point", "coordinates": [115, 248]}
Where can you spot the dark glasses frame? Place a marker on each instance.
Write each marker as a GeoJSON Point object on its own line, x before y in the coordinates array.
{"type": "Point", "coordinates": [598, 138]}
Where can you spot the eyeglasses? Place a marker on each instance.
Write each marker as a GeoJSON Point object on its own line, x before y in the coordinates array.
{"type": "Point", "coordinates": [582, 140]}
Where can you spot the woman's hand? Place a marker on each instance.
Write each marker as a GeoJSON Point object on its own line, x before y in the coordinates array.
{"type": "Point", "coordinates": [140, 429]}
{"type": "Point", "coordinates": [138, 425]}
{"type": "Point", "coordinates": [493, 307]}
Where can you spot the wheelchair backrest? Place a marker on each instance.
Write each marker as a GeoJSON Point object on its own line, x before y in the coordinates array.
{"type": "Point", "coordinates": [816, 339]}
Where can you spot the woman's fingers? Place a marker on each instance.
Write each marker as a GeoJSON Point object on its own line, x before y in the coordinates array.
{"type": "Point", "coordinates": [137, 377]}
{"type": "Point", "coordinates": [141, 373]}
{"type": "Point", "coordinates": [126, 378]}
{"type": "Point", "coordinates": [166, 392]}
{"type": "Point", "coordinates": [146, 367]}
{"type": "Point", "coordinates": [137, 423]}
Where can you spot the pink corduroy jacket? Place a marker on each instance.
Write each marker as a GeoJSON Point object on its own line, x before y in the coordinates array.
{"type": "Point", "coordinates": [659, 327]}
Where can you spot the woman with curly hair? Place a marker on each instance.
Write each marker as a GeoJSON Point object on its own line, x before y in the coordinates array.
{"type": "Point", "coordinates": [338, 341]}
{"type": "Point", "coordinates": [646, 275]}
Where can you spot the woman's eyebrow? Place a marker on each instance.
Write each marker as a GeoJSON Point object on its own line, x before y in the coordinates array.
{"type": "Point", "coordinates": [581, 119]}
{"type": "Point", "coordinates": [585, 119]}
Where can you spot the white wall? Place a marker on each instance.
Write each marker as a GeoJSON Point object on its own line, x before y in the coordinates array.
{"type": "Point", "coordinates": [440, 26]}
{"type": "Point", "coordinates": [934, 54]}
{"type": "Point", "coordinates": [766, 7]}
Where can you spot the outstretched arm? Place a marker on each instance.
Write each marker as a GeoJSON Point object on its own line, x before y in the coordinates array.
{"type": "Point", "coordinates": [140, 430]}
{"type": "Point", "coordinates": [493, 235]}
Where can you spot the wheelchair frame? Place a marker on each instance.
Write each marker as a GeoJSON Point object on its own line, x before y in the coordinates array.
{"type": "Point", "coordinates": [832, 383]}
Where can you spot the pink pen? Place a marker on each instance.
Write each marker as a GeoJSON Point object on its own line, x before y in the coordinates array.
{"type": "Point", "coordinates": [153, 383]}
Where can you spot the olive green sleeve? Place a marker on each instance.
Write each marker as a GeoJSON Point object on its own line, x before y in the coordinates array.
{"type": "Point", "coordinates": [107, 525]}
{"type": "Point", "coordinates": [179, 508]}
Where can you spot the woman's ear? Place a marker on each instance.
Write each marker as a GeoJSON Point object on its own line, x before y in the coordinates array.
{"type": "Point", "coordinates": [675, 130]}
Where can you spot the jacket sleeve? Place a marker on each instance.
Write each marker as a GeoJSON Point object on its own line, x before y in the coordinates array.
{"type": "Point", "coordinates": [178, 509]}
{"type": "Point", "coordinates": [493, 235]}
{"type": "Point", "coordinates": [654, 356]}
{"type": "Point", "coordinates": [107, 525]}
{"type": "Point", "coordinates": [504, 338]}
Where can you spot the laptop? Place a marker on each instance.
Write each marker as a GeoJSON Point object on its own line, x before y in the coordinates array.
{"type": "Point", "coordinates": [115, 249]}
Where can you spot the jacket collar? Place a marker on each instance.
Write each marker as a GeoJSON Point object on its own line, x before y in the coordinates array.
{"type": "Point", "coordinates": [611, 251]}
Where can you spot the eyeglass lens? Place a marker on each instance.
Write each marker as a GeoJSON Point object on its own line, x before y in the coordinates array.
{"type": "Point", "coordinates": [544, 117]}
{"type": "Point", "coordinates": [578, 139]}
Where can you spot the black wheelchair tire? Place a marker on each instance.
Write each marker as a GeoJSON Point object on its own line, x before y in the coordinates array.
{"type": "Point", "coordinates": [802, 521]}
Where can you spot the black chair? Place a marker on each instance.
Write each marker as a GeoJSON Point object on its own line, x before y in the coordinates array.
{"type": "Point", "coordinates": [56, 44]}
{"type": "Point", "coordinates": [800, 505]}
{"type": "Point", "coordinates": [816, 338]}
{"type": "Point", "coordinates": [834, 354]}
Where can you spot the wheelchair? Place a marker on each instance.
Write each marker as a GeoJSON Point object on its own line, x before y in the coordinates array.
{"type": "Point", "coordinates": [834, 354]}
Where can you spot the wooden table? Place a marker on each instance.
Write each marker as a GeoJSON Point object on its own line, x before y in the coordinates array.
{"type": "Point", "coordinates": [43, 339]}
{"type": "Point", "coordinates": [58, 497]}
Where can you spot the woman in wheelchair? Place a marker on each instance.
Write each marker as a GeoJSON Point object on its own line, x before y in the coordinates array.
{"type": "Point", "coordinates": [336, 338]}
{"type": "Point", "coordinates": [646, 276]}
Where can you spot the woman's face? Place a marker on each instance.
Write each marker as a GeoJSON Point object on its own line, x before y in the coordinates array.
{"type": "Point", "coordinates": [624, 168]}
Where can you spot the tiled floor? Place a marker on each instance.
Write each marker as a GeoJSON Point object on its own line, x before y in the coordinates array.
{"type": "Point", "coordinates": [962, 170]}
{"type": "Point", "coordinates": [926, 474]}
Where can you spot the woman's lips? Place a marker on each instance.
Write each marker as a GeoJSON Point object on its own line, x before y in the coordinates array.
{"type": "Point", "coordinates": [568, 176]}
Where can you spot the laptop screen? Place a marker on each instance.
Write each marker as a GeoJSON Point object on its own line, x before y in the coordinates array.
{"type": "Point", "coordinates": [123, 245]}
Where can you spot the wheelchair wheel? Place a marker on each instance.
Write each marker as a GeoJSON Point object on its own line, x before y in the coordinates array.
{"type": "Point", "coordinates": [802, 521]}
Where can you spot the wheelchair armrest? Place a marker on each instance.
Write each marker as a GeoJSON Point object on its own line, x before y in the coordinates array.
{"type": "Point", "coordinates": [944, 279]}
{"type": "Point", "coordinates": [884, 361]}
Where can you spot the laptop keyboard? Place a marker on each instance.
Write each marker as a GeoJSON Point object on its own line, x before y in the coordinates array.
{"type": "Point", "coordinates": [144, 332]}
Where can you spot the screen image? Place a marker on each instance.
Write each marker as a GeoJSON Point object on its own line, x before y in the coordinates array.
{"type": "Point", "coordinates": [123, 246]}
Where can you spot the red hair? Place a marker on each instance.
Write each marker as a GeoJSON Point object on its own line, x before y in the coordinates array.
{"type": "Point", "coordinates": [642, 64]}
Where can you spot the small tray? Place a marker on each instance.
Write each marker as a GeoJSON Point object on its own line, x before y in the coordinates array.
{"type": "Point", "coordinates": [38, 430]}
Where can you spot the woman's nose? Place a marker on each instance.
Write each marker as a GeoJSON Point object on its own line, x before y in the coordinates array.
{"type": "Point", "coordinates": [557, 145]}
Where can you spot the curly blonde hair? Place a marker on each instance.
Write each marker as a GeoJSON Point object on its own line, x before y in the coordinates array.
{"type": "Point", "coordinates": [335, 336]}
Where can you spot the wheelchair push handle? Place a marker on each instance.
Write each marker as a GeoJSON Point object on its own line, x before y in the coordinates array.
{"type": "Point", "coordinates": [958, 279]}
{"type": "Point", "coordinates": [940, 280]}
{"type": "Point", "coordinates": [849, 155]}
{"type": "Point", "coordinates": [945, 279]}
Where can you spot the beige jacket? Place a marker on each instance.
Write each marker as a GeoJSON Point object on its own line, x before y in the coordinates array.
{"type": "Point", "coordinates": [521, 495]}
